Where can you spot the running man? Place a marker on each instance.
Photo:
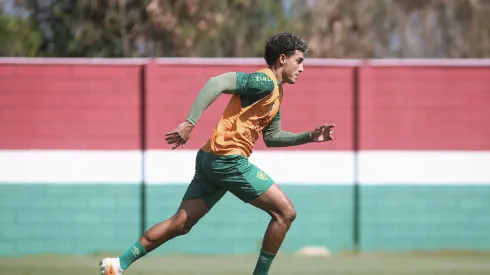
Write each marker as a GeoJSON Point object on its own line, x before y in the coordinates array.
{"type": "Point", "coordinates": [222, 163]}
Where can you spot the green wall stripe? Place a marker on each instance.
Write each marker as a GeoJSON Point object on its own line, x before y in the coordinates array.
{"type": "Point", "coordinates": [81, 219]}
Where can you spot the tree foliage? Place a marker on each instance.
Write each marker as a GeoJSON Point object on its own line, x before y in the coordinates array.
{"type": "Point", "coordinates": [18, 37]}
{"type": "Point", "coordinates": [239, 28]}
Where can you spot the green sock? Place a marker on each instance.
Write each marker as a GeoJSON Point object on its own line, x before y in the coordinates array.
{"type": "Point", "coordinates": [263, 263]}
{"type": "Point", "coordinates": [133, 253]}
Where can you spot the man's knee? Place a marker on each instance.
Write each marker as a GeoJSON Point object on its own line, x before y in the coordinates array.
{"type": "Point", "coordinates": [276, 204]}
{"type": "Point", "coordinates": [181, 223]}
{"type": "Point", "coordinates": [188, 214]}
{"type": "Point", "coordinates": [286, 215]}
{"type": "Point", "coordinates": [290, 214]}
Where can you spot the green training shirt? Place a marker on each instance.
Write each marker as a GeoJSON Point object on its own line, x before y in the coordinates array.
{"type": "Point", "coordinates": [251, 88]}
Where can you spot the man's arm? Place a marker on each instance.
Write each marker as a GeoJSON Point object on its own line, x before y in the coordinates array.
{"type": "Point", "coordinates": [274, 137]}
{"type": "Point", "coordinates": [229, 83]}
{"type": "Point", "coordinates": [224, 83]}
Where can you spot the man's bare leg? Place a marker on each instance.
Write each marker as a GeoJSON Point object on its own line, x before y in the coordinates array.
{"type": "Point", "coordinates": [275, 202]}
{"type": "Point", "coordinates": [188, 214]}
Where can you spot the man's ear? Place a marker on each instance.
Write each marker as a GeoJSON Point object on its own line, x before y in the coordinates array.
{"type": "Point", "coordinates": [282, 59]}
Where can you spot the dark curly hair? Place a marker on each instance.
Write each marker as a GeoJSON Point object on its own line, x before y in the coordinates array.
{"type": "Point", "coordinates": [283, 43]}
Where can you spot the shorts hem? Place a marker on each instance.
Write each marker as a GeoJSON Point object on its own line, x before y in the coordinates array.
{"type": "Point", "coordinates": [256, 195]}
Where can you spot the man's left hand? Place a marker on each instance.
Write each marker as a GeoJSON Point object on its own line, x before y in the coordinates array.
{"type": "Point", "coordinates": [322, 133]}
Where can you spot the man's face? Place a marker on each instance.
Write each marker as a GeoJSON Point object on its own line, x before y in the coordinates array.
{"type": "Point", "coordinates": [292, 66]}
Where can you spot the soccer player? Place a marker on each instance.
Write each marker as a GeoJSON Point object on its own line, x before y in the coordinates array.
{"type": "Point", "coordinates": [222, 163]}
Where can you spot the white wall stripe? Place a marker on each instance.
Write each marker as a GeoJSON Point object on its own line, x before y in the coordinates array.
{"type": "Point", "coordinates": [253, 61]}
{"type": "Point", "coordinates": [285, 167]}
{"type": "Point", "coordinates": [423, 167]}
{"type": "Point", "coordinates": [73, 61]}
{"type": "Point", "coordinates": [468, 62]}
{"type": "Point", "coordinates": [70, 166]}
{"type": "Point", "coordinates": [308, 167]}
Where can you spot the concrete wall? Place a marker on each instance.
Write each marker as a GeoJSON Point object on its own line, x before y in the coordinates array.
{"type": "Point", "coordinates": [71, 162]}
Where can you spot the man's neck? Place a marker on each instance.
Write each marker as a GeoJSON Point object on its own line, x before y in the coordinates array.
{"type": "Point", "coordinates": [277, 73]}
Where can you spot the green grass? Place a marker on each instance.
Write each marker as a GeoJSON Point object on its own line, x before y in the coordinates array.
{"type": "Point", "coordinates": [368, 264]}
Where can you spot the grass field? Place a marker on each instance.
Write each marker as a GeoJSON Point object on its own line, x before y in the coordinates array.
{"type": "Point", "coordinates": [372, 264]}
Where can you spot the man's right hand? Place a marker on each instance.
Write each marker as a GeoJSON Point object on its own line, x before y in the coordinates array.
{"type": "Point", "coordinates": [180, 135]}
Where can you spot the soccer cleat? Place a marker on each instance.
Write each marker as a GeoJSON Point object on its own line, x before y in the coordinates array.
{"type": "Point", "coordinates": [110, 266]}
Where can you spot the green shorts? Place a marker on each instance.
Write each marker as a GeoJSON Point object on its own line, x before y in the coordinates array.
{"type": "Point", "coordinates": [215, 175]}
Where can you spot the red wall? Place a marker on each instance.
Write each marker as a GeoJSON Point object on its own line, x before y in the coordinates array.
{"type": "Point", "coordinates": [69, 107]}
{"type": "Point", "coordinates": [425, 108]}
{"type": "Point", "coordinates": [47, 106]}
